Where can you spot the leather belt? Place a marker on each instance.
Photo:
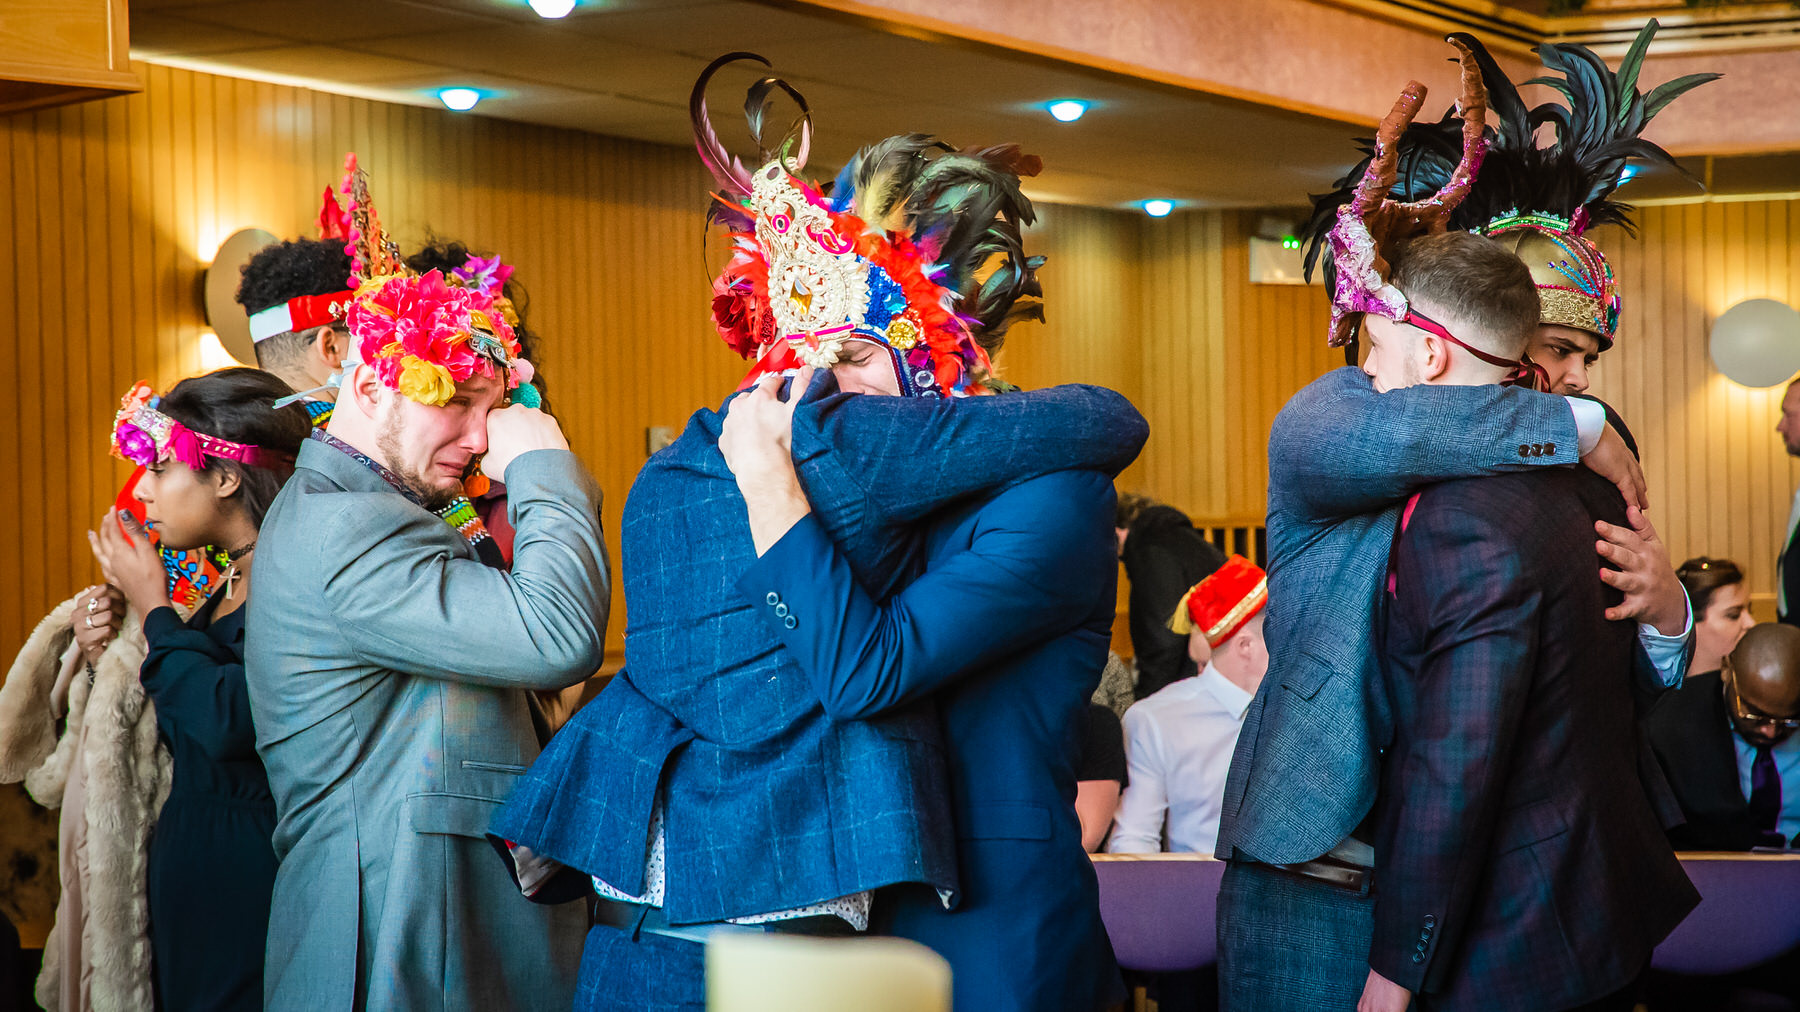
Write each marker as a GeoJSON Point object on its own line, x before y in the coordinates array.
{"type": "Point", "coordinates": [1332, 872]}
{"type": "Point", "coordinates": [636, 917]}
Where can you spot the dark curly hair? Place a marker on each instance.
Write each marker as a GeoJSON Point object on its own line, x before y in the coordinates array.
{"type": "Point", "coordinates": [237, 404]}
{"type": "Point", "coordinates": [288, 270]}
{"type": "Point", "coordinates": [445, 256]}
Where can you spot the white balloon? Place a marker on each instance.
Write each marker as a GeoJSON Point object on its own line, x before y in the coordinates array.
{"type": "Point", "coordinates": [1757, 342]}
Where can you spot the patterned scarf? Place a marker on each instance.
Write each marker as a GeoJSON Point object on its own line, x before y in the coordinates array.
{"type": "Point", "coordinates": [459, 514]}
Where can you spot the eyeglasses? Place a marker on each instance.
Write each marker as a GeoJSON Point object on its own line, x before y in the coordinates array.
{"type": "Point", "coordinates": [1734, 703]}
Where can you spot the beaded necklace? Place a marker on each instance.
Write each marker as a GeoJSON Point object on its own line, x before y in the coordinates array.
{"type": "Point", "coordinates": [459, 513]}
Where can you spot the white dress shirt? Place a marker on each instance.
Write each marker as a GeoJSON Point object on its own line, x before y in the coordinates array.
{"type": "Point", "coordinates": [1178, 746]}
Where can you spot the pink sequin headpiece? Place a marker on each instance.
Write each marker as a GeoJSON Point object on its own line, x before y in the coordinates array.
{"type": "Point", "coordinates": [1372, 228]}
{"type": "Point", "coordinates": [147, 437]}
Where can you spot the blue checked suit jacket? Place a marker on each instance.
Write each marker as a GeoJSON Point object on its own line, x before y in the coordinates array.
{"type": "Point", "coordinates": [1520, 861]}
{"type": "Point", "coordinates": [770, 803]}
{"type": "Point", "coordinates": [1342, 458]}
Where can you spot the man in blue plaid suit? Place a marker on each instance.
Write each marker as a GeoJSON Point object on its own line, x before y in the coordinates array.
{"type": "Point", "coordinates": [768, 803]}
{"type": "Point", "coordinates": [1295, 915]}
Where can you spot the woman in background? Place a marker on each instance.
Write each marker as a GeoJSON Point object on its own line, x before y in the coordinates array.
{"type": "Point", "coordinates": [1721, 602]}
{"type": "Point", "coordinates": [215, 453]}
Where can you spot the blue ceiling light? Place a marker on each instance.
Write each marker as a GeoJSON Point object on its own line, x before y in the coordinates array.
{"type": "Point", "coordinates": [1628, 173]}
{"type": "Point", "coordinates": [552, 9]}
{"type": "Point", "coordinates": [1067, 110]}
{"type": "Point", "coordinates": [459, 99]}
{"type": "Point", "coordinates": [1158, 208]}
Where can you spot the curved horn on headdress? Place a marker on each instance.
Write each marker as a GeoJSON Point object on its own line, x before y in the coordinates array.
{"type": "Point", "coordinates": [729, 171]}
{"type": "Point", "coordinates": [1434, 211]}
{"type": "Point", "coordinates": [1371, 229]}
{"type": "Point", "coordinates": [756, 106]}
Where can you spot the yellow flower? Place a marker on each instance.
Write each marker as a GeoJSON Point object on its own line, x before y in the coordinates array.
{"type": "Point", "coordinates": [426, 382]}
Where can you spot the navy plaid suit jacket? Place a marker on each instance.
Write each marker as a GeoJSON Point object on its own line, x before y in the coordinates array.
{"type": "Point", "coordinates": [1342, 458]}
{"type": "Point", "coordinates": [770, 804]}
{"type": "Point", "coordinates": [1520, 861]}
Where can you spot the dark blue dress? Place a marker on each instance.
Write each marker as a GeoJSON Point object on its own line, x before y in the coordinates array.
{"type": "Point", "coordinates": [212, 866]}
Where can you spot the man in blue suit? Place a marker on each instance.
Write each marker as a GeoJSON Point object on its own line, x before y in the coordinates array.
{"type": "Point", "coordinates": [709, 789]}
{"type": "Point", "coordinates": [1006, 631]}
{"type": "Point", "coordinates": [1344, 454]}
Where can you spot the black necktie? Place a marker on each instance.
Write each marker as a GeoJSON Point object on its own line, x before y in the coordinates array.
{"type": "Point", "coordinates": [1765, 790]}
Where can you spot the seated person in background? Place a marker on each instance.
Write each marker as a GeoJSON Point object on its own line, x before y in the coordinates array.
{"type": "Point", "coordinates": [1099, 774]}
{"type": "Point", "coordinates": [1726, 739]}
{"type": "Point", "coordinates": [1164, 556]}
{"type": "Point", "coordinates": [1178, 742]}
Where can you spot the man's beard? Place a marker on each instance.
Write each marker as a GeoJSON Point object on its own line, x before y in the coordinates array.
{"type": "Point", "coordinates": [432, 497]}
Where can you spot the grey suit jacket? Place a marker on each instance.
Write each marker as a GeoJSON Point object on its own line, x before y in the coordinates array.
{"type": "Point", "coordinates": [388, 670]}
{"type": "Point", "coordinates": [1341, 459]}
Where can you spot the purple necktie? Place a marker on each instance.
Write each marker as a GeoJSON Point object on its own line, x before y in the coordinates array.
{"type": "Point", "coordinates": [1765, 790]}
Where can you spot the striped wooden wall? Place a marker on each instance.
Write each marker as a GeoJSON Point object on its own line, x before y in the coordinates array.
{"type": "Point", "coordinates": [1721, 481]}
{"type": "Point", "coordinates": [114, 207]}
{"type": "Point", "coordinates": [1220, 358]}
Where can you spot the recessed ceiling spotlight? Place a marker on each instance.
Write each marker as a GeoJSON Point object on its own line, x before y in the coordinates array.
{"type": "Point", "coordinates": [1628, 173]}
{"type": "Point", "coordinates": [459, 99]}
{"type": "Point", "coordinates": [1067, 110]}
{"type": "Point", "coordinates": [553, 8]}
{"type": "Point", "coordinates": [1158, 208]}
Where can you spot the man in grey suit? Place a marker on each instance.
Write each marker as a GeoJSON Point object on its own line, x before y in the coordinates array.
{"type": "Point", "coordinates": [389, 666]}
{"type": "Point", "coordinates": [1344, 455]}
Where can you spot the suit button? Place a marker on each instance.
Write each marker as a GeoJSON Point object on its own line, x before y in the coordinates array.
{"type": "Point", "coordinates": [1430, 920]}
{"type": "Point", "coordinates": [1550, 448]}
{"type": "Point", "coordinates": [1425, 936]}
{"type": "Point", "coordinates": [773, 598]}
{"type": "Point", "coordinates": [1418, 957]}
{"type": "Point", "coordinates": [790, 621]}
{"type": "Point", "coordinates": [1524, 450]}
{"type": "Point", "coordinates": [781, 611]}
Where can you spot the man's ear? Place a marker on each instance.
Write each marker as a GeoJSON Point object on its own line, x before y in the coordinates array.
{"type": "Point", "coordinates": [1434, 357]}
{"type": "Point", "coordinates": [365, 389]}
{"type": "Point", "coordinates": [330, 346]}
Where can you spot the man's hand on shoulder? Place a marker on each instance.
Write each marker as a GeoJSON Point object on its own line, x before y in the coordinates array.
{"type": "Point", "coordinates": [516, 431]}
{"type": "Point", "coordinates": [1652, 593]}
{"type": "Point", "coordinates": [1383, 995]}
{"type": "Point", "coordinates": [1612, 459]}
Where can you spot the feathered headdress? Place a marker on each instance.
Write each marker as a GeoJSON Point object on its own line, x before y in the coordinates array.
{"type": "Point", "coordinates": [1369, 229]}
{"type": "Point", "coordinates": [1540, 200]}
{"type": "Point", "coordinates": [425, 333]}
{"type": "Point", "coordinates": [915, 246]}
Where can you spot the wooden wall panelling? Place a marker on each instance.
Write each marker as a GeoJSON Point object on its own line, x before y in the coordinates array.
{"type": "Point", "coordinates": [1720, 479]}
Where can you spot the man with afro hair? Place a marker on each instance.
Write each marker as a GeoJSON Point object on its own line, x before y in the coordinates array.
{"type": "Point", "coordinates": [299, 338]}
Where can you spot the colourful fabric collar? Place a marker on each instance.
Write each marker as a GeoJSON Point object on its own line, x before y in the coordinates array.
{"type": "Point", "coordinates": [459, 514]}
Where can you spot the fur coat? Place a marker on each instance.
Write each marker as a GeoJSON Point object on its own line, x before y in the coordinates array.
{"type": "Point", "coordinates": [126, 773]}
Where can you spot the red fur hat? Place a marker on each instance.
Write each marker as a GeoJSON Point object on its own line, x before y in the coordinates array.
{"type": "Point", "coordinates": [1220, 604]}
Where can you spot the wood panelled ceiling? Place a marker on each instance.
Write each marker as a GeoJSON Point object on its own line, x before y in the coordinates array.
{"type": "Point", "coordinates": [624, 67]}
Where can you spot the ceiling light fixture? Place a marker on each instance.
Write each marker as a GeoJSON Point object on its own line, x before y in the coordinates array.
{"type": "Point", "coordinates": [459, 99]}
{"type": "Point", "coordinates": [1158, 208]}
{"type": "Point", "coordinates": [1628, 173]}
{"type": "Point", "coordinates": [553, 9]}
{"type": "Point", "coordinates": [1067, 110]}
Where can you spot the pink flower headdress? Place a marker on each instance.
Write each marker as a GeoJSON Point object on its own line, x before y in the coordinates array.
{"type": "Point", "coordinates": [425, 333]}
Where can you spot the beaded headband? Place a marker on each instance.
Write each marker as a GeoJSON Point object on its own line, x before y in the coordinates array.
{"type": "Point", "coordinates": [147, 437]}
